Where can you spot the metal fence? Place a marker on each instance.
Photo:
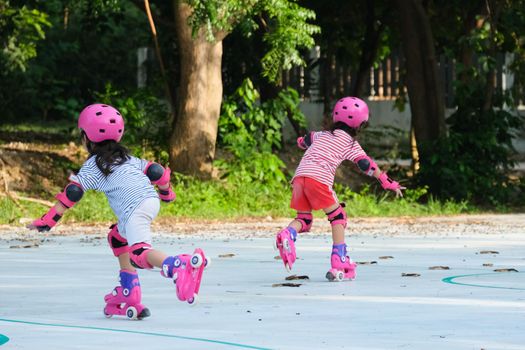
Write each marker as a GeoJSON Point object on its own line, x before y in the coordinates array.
{"type": "Point", "coordinates": [383, 81]}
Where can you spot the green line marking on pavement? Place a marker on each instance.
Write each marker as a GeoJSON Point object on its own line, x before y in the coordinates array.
{"type": "Point", "coordinates": [452, 279]}
{"type": "Point", "coordinates": [237, 345]}
{"type": "Point", "coordinates": [3, 339]}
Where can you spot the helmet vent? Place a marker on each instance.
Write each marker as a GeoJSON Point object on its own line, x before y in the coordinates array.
{"type": "Point", "coordinates": [112, 121]}
{"type": "Point", "coordinates": [98, 114]}
{"type": "Point", "coordinates": [355, 104]}
{"type": "Point", "coordinates": [336, 113]}
{"type": "Point", "coordinates": [102, 130]}
{"type": "Point", "coordinates": [104, 105]}
{"type": "Point", "coordinates": [119, 131]}
{"type": "Point", "coordinates": [344, 107]}
{"type": "Point", "coordinates": [118, 113]}
{"type": "Point", "coordinates": [350, 116]}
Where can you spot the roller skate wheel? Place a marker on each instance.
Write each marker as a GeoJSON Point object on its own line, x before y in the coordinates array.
{"type": "Point", "coordinates": [106, 313]}
{"type": "Point", "coordinates": [330, 276]}
{"type": "Point", "coordinates": [339, 276]}
{"type": "Point", "coordinates": [287, 267]}
{"type": "Point", "coordinates": [275, 245]}
{"type": "Point", "coordinates": [132, 313]}
{"type": "Point", "coordinates": [286, 244]}
{"type": "Point", "coordinates": [125, 292]}
{"type": "Point", "coordinates": [207, 263]}
{"type": "Point", "coordinates": [175, 277]}
{"type": "Point", "coordinates": [177, 262]}
{"type": "Point", "coordinates": [193, 300]}
{"type": "Point", "coordinates": [114, 292]}
{"type": "Point", "coordinates": [196, 260]}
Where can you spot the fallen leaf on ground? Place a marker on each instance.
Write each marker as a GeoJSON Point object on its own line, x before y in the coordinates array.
{"type": "Point", "coordinates": [35, 245]}
{"type": "Point", "coordinates": [295, 277]}
{"type": "Point", "coordinates": [410, 274]}
{"type": "Point", "coordinates": [386, 257]}
{"type": "Point", "coordinates": [439, 268]}
{"type": "Point", "coordinates": [229, 255]}
{"type": "Point", "coordinates": [506, 270]}
{"type": "Point", "coordinates": [286, 285]}
{"type": "Point", "coordinates": [489, 252]}
{"type": "Point", "coordinates": [365, 262]}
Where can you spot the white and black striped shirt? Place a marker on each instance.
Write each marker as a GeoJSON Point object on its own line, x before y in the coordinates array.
{"type": "Point", "coordinates": [326, 152]}
{"type": "Point", "coordinates": [126, 187]}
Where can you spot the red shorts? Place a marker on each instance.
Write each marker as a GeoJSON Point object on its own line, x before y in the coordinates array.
{"type": "Point", "coordinates": [309, 194]}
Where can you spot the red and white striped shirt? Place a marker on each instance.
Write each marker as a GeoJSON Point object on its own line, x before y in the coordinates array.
{"type": "Point", "coordinates": [326, 152]}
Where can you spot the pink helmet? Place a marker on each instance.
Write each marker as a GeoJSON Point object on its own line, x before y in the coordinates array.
{"type": "Point", "coordinates": [101, 122]}
{"type": "Point", "coordinates": [350, 110]}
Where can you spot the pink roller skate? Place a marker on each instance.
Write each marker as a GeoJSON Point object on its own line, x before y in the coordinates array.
{"type": "Point", "coordinates": [186, 271]}
{"type": "Point", "coordinates": [343, 268]}
{"type": "Point", "coordinates": [124, 300]}
{"type": "Point", "coordinates": [285, 242]}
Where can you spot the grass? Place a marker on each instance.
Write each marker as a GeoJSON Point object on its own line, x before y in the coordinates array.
{"type": "Point", "coordinates": [225, 200]}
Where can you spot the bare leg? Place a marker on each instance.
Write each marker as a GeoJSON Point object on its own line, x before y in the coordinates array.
{"type": "Point", "coordinates": [296, 224]}
{"type": "Point", "coordinates": [156, 257]}
{"type": "Point", "coordinates": [124, 262]}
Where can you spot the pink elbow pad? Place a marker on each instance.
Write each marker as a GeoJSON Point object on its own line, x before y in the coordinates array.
{"type": "Point", "coordinates": [72, 193]}
{"type": "Point", "coordinates": [157, 174]}
{"type": "Point", "coordinates": [366, 165]}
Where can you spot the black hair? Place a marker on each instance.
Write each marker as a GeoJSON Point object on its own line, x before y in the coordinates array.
{"type": "Point", "coordinates": [350, 131]}
{"type": "Point", "coordinates": [108, 153]}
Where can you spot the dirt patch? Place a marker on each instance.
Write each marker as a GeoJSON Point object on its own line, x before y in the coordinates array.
{"type": "Point", "coordinates": [38, 169]}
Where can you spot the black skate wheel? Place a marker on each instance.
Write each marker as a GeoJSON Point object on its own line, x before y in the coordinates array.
{"type": "Point", "coordinates": [330, 276]}
{"type": "Point", "coordinates": [144, 313]}
{"type": "Point", "coordinates": [106, 313]}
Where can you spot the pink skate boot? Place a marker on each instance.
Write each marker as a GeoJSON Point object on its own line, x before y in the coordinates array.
{"type": "Point", "coordinates": [285, 242]}
{"type": "Point", "coordinates": [186, 271]}
{"type": "Point", "coordinates": [343, 268]}
{"type": "Point", "coordinates": [124, 300]}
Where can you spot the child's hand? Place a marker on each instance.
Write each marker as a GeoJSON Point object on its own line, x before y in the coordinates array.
{"type": "Point", "coordinates": [301, 144]}
{"type": "Point", "coordinates": [398, 191]}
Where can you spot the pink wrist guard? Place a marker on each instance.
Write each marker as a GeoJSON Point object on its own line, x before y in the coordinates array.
{"type": "Point", "coordinates": [167, 195]}
{"type": "Point", "coordinates": [48, 221]}
{"type": "Point", "coordinates": [305, 141]}
{"type": "Point", "coordinates": [387, 183]}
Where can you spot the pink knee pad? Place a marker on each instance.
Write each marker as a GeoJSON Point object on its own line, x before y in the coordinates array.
{"type": "Point", "coordinates": [117, 243]}
{"type": "Point", "coordinates": [337, 217]}
{"type": "Point", "coordinates": [138, 255]}
{"type": "Point", "coordinates": [306, 220]}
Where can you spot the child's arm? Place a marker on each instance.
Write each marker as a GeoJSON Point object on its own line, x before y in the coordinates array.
{"type": "Point", "coordinates": [160, 176]}
{"type": "Point", "coordinates": [72, 193]}
{"type": "Point", "coordinates": [370, 168]}
{"type": "Point", "coordinates": [305, 141]}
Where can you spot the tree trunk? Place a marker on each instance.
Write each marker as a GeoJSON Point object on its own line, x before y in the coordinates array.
{"type": "Point", "coordinates": [192, 142]}
{"type": "Point", "coordinates": [424, 90]}
{"type": "Point", "coordinates": [369, 47]}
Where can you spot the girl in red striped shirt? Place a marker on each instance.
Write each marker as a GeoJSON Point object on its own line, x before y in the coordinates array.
{"type": "Point", "coordinates": [314, 178]}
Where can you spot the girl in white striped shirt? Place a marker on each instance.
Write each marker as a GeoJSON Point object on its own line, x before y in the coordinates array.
{"type": "Point", "coordinates": [128, 183]}
{"type": "Point", "coordinates": [314, 178]}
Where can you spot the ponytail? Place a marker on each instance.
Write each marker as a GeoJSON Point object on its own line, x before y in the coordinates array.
{"type": "Point", "coordinates": [108, 153]}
